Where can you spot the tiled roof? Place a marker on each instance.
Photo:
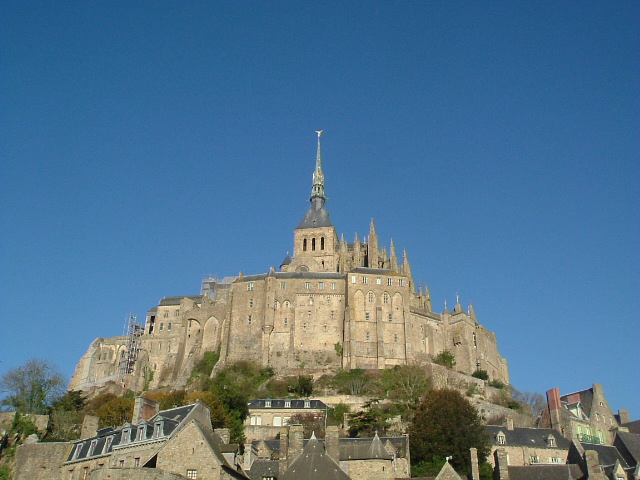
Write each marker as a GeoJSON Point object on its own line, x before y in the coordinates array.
{"type": "Point", "coordinates": [528, 437]}
{"type": "Point", "coordinates": [545, 472]}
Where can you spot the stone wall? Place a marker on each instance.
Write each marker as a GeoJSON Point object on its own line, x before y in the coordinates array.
{"type": "Point", "coordinates": [40, 461]}
{"type": "Point", "coordinates": [129, 473]}
{"type": "Point", "coordinates": [40, 421]}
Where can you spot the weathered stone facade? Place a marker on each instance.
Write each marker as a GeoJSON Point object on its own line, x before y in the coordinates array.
{"type": "Point", "coordinates": [335, 304]}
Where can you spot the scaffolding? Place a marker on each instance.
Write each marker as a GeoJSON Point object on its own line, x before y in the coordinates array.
{"type": "Point", "coordinates": [133, 331]}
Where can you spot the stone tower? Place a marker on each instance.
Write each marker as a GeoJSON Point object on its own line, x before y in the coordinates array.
{"type": "Point", "coordinates": [315, 246]}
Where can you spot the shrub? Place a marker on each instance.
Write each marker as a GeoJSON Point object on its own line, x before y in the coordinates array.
{"type": "Point", "coordinates": [446, 359]}
{"type": "Point", "coordinates": [481, 374]}
{"type": "Point", "coordinates": [496, 384]}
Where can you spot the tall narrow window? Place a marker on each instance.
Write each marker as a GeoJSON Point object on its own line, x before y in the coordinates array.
{"type": "Point", "coordinates": [250, 286]}
{"type": "Point", "coordinates": [322, 243]}
{"type": "Point", "coordinates": [304, 244]}
{"type": "Point", "coordinates": [372, 297]}
{"type": "Point", "coordinates": [313, 243]}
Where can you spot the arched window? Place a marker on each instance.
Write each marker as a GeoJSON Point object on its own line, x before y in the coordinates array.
{"type": "Point", "coordinates": [372, 297]}
{"type": "Point", "coordinates": [313, 243]}
{"type": "Point", "coordinates": [287, 304]}
{"type": "Point", "coordinates": [385, 297]}
{"type": "Point", "coordinates": [322, 243]}
{"type": "Point", "coordinates": [304, 245]}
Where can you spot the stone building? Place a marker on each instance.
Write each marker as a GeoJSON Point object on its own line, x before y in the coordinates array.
{"type": "Point", "coordinates": [267, 416]}
{"type": "Point", "coordinates": [162, 440]}
{"type": "Point", "coordinates": [376, 458]}
{"type": "Point", "coordinates": [527, 446]}
{"type": "Point", "coordinates": [583, 416]}
{"type": "Point", "coordinates": [334, 304]}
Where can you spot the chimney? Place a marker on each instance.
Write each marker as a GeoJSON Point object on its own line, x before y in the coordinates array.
{"type": "Point", "coordinates": [284, 450]}
{"type": "Point", "coordinates": [594, 470]}
{"type": "Point", "coordinates": [554, 405]}
{"type": "Point", "coordinates": [248, 458]}
{"type": "Point", "coordinates": [296, 440]}
{"type": "Point", "coordinates": [224, 433]}
{"type": "Point", "coordinates": [624, 416]}
{"type": "Point", "coordinates": [332, 442]}
{"type": "Point", "coordinates": [475, 469]}
{"type": "Point", "coordinates": [144, 409]}
{"type": "Point", "coordinates": [89, 426]}
{"type": "Point", "coordinates": [501, 471]}
{"type": "Point", "coordinates": [509, 423]}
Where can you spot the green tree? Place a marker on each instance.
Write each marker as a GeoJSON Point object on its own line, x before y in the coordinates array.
{"type": "Point", "coordinates": [446, 359]}
{"type": "Point", "coordinates": [445, 424]}
{"type": "Point", "coordinates": [406, 384]}
{"type": "Point", "coordinates": [33, 387]}
{"type": "Point", "coordinates": [371, 419]}
{"type": "Point", "coordinates": [115, 412]}
{"type": "Point", "coordinates": [336, 414]}
{"type": "Point", "coordinates": [304, 386]}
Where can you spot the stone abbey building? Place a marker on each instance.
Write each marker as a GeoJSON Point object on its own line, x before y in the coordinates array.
{"type": "Point", "coordinates": [333, 305]}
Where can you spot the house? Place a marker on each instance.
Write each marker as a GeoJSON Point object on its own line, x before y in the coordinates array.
{"type": "Point", "coordinates": [267, 416]}
{"type": "Point", "coordinates": [528, 446]}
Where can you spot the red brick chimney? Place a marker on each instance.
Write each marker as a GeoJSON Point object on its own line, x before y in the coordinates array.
{"type": "Point", "coordinates": [144, 409]}
{"type": "Point", "coordinates": [554, 404]}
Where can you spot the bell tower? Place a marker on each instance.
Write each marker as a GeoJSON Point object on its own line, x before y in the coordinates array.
{"type": "Point", "coordinates": [315, 242]}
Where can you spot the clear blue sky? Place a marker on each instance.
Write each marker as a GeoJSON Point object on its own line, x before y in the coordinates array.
{"type": "Point", "coordinates": [145, 145]}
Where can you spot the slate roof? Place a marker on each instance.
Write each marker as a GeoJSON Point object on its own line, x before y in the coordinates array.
{"type": "Point", "coordinates": [316, 216]}
{"type": "Point", "coordinates": [607, 453]}
{"type": "Point", "coordinates": [586, 399]}
{"type": "Point", "coordinates": [279, 403]}
{"type": "Point", "coordinates": [528, 437]}
{"type": "Point", "coordinates": [628, 444]}
{"type": "Point", "coordinates": [314, 464]}
{"type": "Point", "coordinates": [172, 301]}
{"type": "Point", "coordinates": [286, 275]}
{"type": "Point", "coordinates": [374, 271]}
{"type": "Point", "coordinates": [634, 427]}
{"type": "Point", "coordinates": [264, 468]}
{"type": "Point", "coordinates": [545, 472]}
{"type": "Point", "coordinates": [170, 420]}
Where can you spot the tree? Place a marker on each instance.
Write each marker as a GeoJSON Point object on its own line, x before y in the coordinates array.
{"type": "Point", "coordinates": [534, 400]}
{"type": "Point", "coordinates": [371, 419]}
{"type": "Point", "coordinates": [481, 374]}
{"type": "Point", "coordinates": [406, 384]}
{"type": "Point", "coordinates": [304, 386]}
{"type": "Point", "coordinates": [445, 424]}
{"type": "Point", "coordinates": [310, 422]}
{"type": "Point", "coordinates": [115, 412]}
{"type": "Point", "coordinates": [33, 387]}
{"type": "Point", "coordinates": [446, 359]}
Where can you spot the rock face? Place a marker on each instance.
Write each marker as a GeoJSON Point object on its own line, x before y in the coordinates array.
{"type": "Point", "coordinates": [333, 305]}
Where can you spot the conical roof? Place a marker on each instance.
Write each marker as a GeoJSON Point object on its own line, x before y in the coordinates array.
{"type": "Point", "coordinates": [314, 464]}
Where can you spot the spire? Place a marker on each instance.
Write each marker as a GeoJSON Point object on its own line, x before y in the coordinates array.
{"type": "Point", "coordinates": [372, 253]}
{"type": "Point", "coordinates": [317, 215]}
{"type": "Point", "coordinates": [472, 312]}
{"type": "Point", "coordinates": [394, 257]}
{"type": "Point", "coordinates": [406, 267]}
{"type": "Point", "coordinates": [317, 191]}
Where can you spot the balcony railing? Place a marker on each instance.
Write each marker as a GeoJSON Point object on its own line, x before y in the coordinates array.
{"type": "Point", "coordinates": [589, 439]}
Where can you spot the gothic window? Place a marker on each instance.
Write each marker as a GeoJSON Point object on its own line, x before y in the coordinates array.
{"type": "Point", "coordinates": [322, 243]}
{"type": "Point", "coordinates": [304, 245]}
{"type": "Point", "coordinates": [385, 297]}
{"type": "Point", "coordinates": [250, 286]}
{"type": "Point", "coordinates": [313, 243]}
{"type": "Point", "coordinates": [372, 297]}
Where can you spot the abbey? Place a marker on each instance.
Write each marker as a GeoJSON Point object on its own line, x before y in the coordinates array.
{"type": "Point", "coordinates": [333, 305]}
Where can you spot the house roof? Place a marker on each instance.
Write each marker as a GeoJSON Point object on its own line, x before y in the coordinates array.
{"type": "Point", "coordinates": [281, 402]}
{"type": "Point", "coordinates": [172, 301]}
{"type": "Point", "coordinates": [314, 464]}
{"type": "Point", "coordinates": [528, 437]}
{"type": "Point", "coordinates": [545, 472]}
{"type": "Point", "coordinates": [608, 454]}
{"type": "Point", "coordinates": [628, 445]}
{"type": "Point", "coordinates": [634, 427]}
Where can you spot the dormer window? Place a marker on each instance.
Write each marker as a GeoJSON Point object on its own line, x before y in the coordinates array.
{"type": "Point", "coordinates": [126, 435]}
{"type": "Point", "coordinates": [107, 444]}
{"type": "Point", "coordinates": [502, 440]}
{"type": "Point", "coordinates": [92, 447]}
{"type": "Point", "coordinates": [551, 441]}
{"type": "Point", "coordinates": [141, 432]}
{"type": "Point", "coordinates": [157, 429]}
{"type": "Point", "coordinates": [267, 403]}
{"type": "Point", "coordinates": [307, 404]}
{"type": "Point", "coordinates": [287, 404]}
{"type": "Point", "coordinates": [76, 454]}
